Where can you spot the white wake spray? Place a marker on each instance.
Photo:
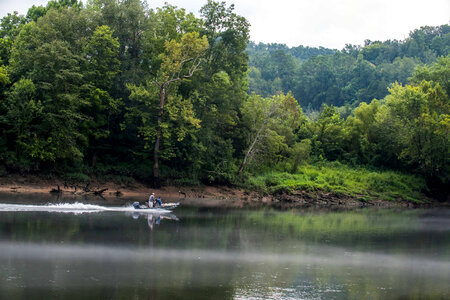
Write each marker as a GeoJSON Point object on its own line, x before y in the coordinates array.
{"type": "Point", "coordinates": [76, 208]}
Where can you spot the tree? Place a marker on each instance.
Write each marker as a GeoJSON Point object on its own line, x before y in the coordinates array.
{"type": "Point", "coordinates": [218, 92]}
{"type": "Point", "coordinates": [437, 73]}
{"type": "Point", "coordinates": [270, 122]}
{"type": "Point", "coordinates": [299, 153]}
{"type": "Point", "coordinates": [179, 62]}
{"type": "Point", "coordinates": [10, 26]}
{"type": "Point", "coordinates": [327, 134]}
{"type": "Point", "coordinates": [4, 87]}
{"type": "Point", "coordinates": [424, 114]}
{"type": "Point", "coordinates": [362, 135]}
{"type": "Point", "coordinates": [46, 52]}
{"type": "Point", "coordinates": [228, 34]}
{"type": "Point", "coordinates": [102, 65]}
{"type": "Point", "coordinates": [166, 23]}
{"type": "Point", "coordinates": [129, 21]}
{"type": "Point", "coordinates": [102, 52]}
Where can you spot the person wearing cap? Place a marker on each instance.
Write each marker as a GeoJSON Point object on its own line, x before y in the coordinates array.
{"type": "Point", "coordinates": [151, 200]}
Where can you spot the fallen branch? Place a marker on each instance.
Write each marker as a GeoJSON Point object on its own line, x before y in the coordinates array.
{"type": "Point", "coordinates": [86, 188]}
{"type": "Point", "coordinates": [54, 191]}
{"type": "Point", "coordinates": [100, 192]}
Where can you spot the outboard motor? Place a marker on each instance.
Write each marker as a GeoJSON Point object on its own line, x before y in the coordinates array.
{"type": "Point", "coordinates": [136, 205]}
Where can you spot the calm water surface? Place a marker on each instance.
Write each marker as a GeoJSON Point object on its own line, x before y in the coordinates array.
{"type": "Point", "coordinates": [105, 251]}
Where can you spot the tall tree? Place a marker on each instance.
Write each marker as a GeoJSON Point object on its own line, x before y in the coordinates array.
{"type": "Point", "coordinates": [48, 52]}
{"type": "Point", "coordinates": [179, 62]}
{"type": "Point", "coordinates": [270, 122]}
{"type": "Point", "coordinates": [219, 91]}
{"type": "Point", "coordinates": [102, 66]}
{"type": "Point", "coordinates": [10, 26]}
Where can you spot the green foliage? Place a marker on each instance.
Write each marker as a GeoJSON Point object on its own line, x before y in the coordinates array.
{"type": "Point", "coordinates": [184, 54]}
{"type": "Point", "coordinates": [10, 26]}
{"type": "Point", "coordinates": [179, 61]}
{"type": "Point", "coordinates": [115, 90]}
{"type": "Point", "coordinates": [347, 77]}
{"type": "Point", "coordinates": [422, 114]}
{"type": "Point", "coordinates": [101, 67]}
{"type": "Point", "coordinates": [102, 52]}
{"type": "Point", "coordinates": [437, 73]}
{"type": "Point", "coordinates": [57, 87]}
{"type": "Point", "coordinates": [325, 134]}
{"type": "Point", "coordinates": [4, 78]}
{"type": "Point", "coordinates": [22, 112]}
{"type": "Point", "coordinates": [228, 35]}
{"type": "Point", "coordinates": [343, 180]}
{"type": "Point", "coordinates": [270, 125]}
{"type": "Point", "coordinates": [299, 153]}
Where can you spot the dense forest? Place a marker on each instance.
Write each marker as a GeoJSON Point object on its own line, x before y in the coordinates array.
{"type": "Point", "coordinates": [348, 77]}
{"type": "Point", "coordinates": [115, 90]}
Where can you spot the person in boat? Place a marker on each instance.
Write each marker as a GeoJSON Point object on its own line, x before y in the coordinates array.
{"type": "Point", "coordinates": [150, 203]}
{"type": "Point", "coordinates": [151, 200]}
{"type": "Point", "coordinates": [158, 202]}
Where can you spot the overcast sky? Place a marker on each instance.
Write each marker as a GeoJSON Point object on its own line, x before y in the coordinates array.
{"type": "Point", "coordinates": [327, 23]}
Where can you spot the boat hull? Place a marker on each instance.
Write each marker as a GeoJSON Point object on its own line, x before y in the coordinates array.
{"type": "Point", "coordinates": [167, 206]}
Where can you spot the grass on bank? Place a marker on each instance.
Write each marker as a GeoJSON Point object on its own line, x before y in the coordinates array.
{"type": "Point", "coordinates": [343, 180]}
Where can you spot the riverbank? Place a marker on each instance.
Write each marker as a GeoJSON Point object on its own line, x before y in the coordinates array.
{"type": "Point", "coordinates": [207, 196]}
{"type": "Point", "coordinates": [200, 196]}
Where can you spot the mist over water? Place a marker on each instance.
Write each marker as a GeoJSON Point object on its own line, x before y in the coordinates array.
{"type": "Point", "coordinates": [222, 254]}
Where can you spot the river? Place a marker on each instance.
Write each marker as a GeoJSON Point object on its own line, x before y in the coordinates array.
{"type": "Point", "coordinates": [105, 250]}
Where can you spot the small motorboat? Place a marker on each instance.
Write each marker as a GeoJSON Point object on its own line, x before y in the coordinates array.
{"type": "Point", "coordinates": [167, 206]}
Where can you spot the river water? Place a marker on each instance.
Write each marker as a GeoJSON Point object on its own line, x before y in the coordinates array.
{"type": "Point", "coordinates": [108, 251]}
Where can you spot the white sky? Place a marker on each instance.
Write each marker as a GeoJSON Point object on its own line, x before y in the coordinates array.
{"type": "Point", "coordinates": [327, 23]}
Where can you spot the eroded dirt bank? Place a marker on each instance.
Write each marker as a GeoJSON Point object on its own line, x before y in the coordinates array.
{"type": "Point", "coordinates": [202, 196]}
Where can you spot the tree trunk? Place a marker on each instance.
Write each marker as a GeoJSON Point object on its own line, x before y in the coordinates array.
{"type": "Point", "coordinates": [94, 160]}
{"type": "Point", "coordinates": [250, 149]}
{"type": "Point", "coordinates": [156, 178]}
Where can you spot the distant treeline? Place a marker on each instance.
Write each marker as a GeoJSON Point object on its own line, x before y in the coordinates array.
{"type": "Point", "coordinates": [350, 76]}
{"type": "Point", "coordinates": [116, 90]}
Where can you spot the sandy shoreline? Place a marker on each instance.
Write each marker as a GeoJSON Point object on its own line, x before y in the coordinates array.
{"type": "Point", "coordinates": [204, 196]}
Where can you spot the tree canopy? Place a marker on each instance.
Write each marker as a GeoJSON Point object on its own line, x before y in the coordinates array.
{"type": "Point", "coordinates": [115, 89]}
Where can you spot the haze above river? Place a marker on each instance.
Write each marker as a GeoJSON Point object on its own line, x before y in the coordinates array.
{"type": "Point", "coordinates": [107, 250]}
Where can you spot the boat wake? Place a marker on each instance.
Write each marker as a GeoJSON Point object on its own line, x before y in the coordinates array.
{"type": "Point", "coordinates": [76, 208]}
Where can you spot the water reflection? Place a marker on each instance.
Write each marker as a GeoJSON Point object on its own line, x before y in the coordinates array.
{"type": "Point", "coordinates": [225, 254]}
{"type": "Point", "coordinates": [153, 218]}
{"type": "Point", "coordinates": [243, 275]}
